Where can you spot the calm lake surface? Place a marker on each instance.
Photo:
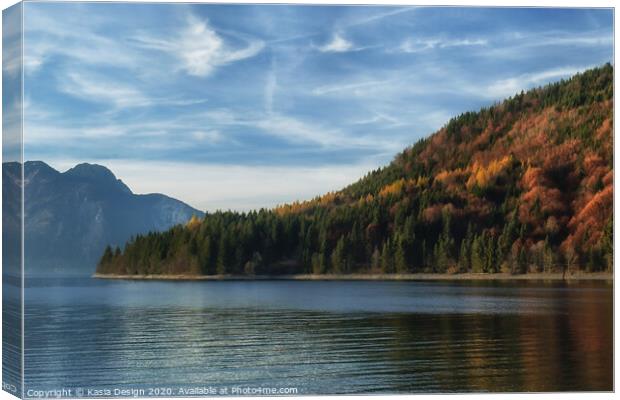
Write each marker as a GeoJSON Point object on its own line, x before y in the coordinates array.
{"type": "Point", "coordinates": [320, 337]}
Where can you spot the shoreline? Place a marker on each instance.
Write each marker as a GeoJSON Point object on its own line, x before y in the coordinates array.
{"type": "Point", "coordinates": [542, 276]}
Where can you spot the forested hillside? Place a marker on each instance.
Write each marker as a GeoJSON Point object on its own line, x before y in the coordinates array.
{"type": "Point", "coordinates": [521, 186]}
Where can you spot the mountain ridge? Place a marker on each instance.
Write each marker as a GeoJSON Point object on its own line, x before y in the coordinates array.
{"type": "Point", "coordinates": [95, 171]}
{"type": "Point", "coordinates": [71, 216]}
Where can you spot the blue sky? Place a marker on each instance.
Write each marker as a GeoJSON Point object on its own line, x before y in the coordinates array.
{"type": "Point", "coordinates": [248, 106]}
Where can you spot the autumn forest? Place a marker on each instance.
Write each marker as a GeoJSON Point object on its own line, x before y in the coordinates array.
{"type": "Point", "coordinates": [525, 185]}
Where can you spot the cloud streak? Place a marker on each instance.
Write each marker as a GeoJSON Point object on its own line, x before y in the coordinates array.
{"type": "Point", "coordinates": [337, 44]}
{"type": "Point", "coordinates": [121, 95]}
{"type": "Point", "coordinates": [354, 22]}
{"type": "Point", "coordinates": [199, 49]}
{"type": "Point", "coordinates": [75, 38]}
{"type": "Point", "coordinates": [98, 89]}
{"type": "Point", "coordinates": [510, 86]}
{"type": "Point", "coordinates": [354, 88]}
{"type": "Point", "coordinates": [420, 45]}
{"type": "Point", "coordinates": [271, 85]}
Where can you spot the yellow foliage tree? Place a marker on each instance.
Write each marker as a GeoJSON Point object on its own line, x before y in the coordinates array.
{"type": "Point", "coordinates": [394, 188]}
{"type": "Point", "coordinates": [194, 222]}
{"type": "Point", "coordinates": [482, 176]}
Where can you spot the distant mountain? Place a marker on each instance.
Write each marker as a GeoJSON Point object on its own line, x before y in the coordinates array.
{"type": "Point", "coordinates": [523, 185]}
{"type": "Point", "coordinates": [71, 217]}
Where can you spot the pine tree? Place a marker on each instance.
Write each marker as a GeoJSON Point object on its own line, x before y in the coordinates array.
{"type": "Point", "coordinates": [490, 260]}
{"type": "Point", "coordinates": [223, 258]}
{"type": "Point", "coordinates": [507, 238]}
{"type": "Point", "coordinates": [316, 264]}
{"type": "Point", "coordinates": [400, 256]}
{"type": "Point", "coordinates": [465, 255]}
{"type": "Point", "coordinates": [204, 256]}
{"type": "Point", "coordinates": [339, 257]}
{"type": "Point", "coordinates": [522, 260]}
{"type": "Point", "coordinates": [356, 244]}
{"type": "Point", "coordinates": [375, 260]}
{"type": "Point", "coordinates": [444, 248]}
{"type": "Point", "coordinates": [107, 256]}
{"type": "Point", "coordinates": [387, 258]}
{"type": "Point", "coordinates": [478, 256]}
{"type": "Point", "coordinates": [319, 263]}
{"type": "Point", "coordinates": [425, 257]}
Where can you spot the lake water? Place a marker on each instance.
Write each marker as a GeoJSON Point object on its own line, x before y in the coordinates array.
{"type": "Point", "coordinates": [319, 337]}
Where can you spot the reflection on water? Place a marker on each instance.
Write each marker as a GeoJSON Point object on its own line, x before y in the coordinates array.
{"type": "Point", "coordinates": [321, 337]}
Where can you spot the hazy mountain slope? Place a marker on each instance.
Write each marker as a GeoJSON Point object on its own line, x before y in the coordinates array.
{"type": "Point", "coordinates": [523, 185]}
{"type": "Point", "coordinates": [70, 217]}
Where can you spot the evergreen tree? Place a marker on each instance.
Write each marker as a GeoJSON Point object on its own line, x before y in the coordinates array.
{"type": "Point", "coordinates": [223, 257]}
{"type": "Point", "coordinates": [340, 257]}
{"type": "Point", "coordinates": [375, 263]}
{"type": "Point", "coordinates": [522, 260]}
{"type": "Point", "coordinates": [507, 238]}
{"type": "Point", "coordinates": [478, 256]}
{"type": "Point", "coordinates": [205, 257]}
{"type": "Point", "coordinates": [465, 255]}
{"type": "Point", "coordinates": [400, 256]}
{"type": "Point", "coordinates": [107, 256]}
{"type": "Point", "coordinates": [317, 268]}
{"type": "Point", "coordinates": [490, 259]}
{"type": "Point", "coordinates": [444, 248]}
{"type": "Point", "coordinates": [387, 258]}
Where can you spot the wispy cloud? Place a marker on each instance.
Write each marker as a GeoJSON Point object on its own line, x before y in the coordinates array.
{"type": "Point", "coordinates": [558, 38]}
{"type": "Point", "coordinates": [345, 24]}
{"type": "Point", "coordinates": [11, 42]}
{"type": "Point", "coordinates": [200, 49]}
{"type": "Point", "coordinates": [353, 89]}
{"type": "Point", "coordinates": [380, 118]}
{"type": "Point", "coordinates": [121, 95]}
{"type": "Point", "coordinates": [519, 45]}
{"type": "Point", "coordinates": [98, 89]}
{"type": "Point", "coordinates": [376, 17]}
{"type": "Point", "coordinates": [337, 44]}
{"type": "Point", "coordinates": [510, 86]}
{"type": "Point", "coordinates": [46, 37]}
{"type": "Point", "coordinates": [212, 136]}
{"type": "Point", "coordinates": [419, 45]}
{"type": "Point", "coordinates": [170, 131]}
{"type": "Point", "coordinates": [590, 39]}
{"type": "Point", "coordinates": [340, 44]}
{"type": "Point", "coordinates": [512, 44]}
{"type": "Point", "coordinates": [271, 85]}
{"type": "Point", "coordinates": [296, 130]}
{"type": "Point", "coordinates": [12, 114]}
{"type": "Point", "coordinates": [180, 131]}
{"type": "Point", "coordinates": [12, 60]}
